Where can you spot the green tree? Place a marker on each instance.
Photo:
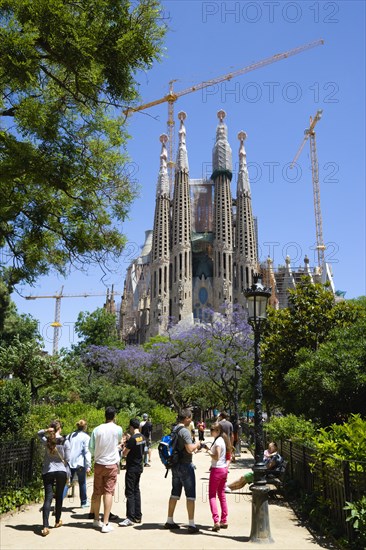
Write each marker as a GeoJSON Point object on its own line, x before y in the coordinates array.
{"type": "Point", "coordinates": [67, 71]}
{"type": "Point", "coordinates": [98, 328]}
{"type": "Point", "coordinates": [330, 384]}
{"type": "Point", "coordinates": [33, 367]}
{"type": "Point", "coordinates": [300, 328]}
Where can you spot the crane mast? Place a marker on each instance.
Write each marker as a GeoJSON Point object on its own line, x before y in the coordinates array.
{"type": "Point", "coordinates": [310, 135]}
{"type": "Point", "coordinates": [173, 96]}
{"type": "Point", "coordinates": [56, 324]}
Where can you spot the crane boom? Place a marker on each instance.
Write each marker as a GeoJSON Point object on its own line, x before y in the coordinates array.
{"type": "Point", "coordinates": [56, 324]}
{"type": "Point", "coordinates": [172, 96]}
{"type": "Point", "coordinates": [310, 134]}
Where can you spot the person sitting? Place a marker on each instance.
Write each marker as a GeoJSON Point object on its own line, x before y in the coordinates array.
{"type": "Point", "coordinates": [272, 460]}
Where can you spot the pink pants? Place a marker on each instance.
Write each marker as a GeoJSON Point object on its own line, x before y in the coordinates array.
{"type": "Point", "coordinates": [216, 486]}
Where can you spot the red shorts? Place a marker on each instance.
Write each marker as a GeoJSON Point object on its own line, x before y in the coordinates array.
{"type": "Point", "coordinates": [105, 479]}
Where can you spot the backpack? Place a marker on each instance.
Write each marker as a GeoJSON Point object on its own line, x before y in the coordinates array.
{"type": "Point", "coordinates": [168, 452]}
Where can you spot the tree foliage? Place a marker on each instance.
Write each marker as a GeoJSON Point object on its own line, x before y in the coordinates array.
{"type": "Point", "coordinates": [98, 328]}
{"type": "Point", "coordinates": [194, 365]}
{"type": "Point", "coordinates": [297, 332]}
{"type": "Point", "coordinates": [27, 362]}
{"type": "Point", "coordinates": [15, 405]}
{"type": "Point", "coordinates": [66, 70]}
{"type": "Point", "coordinates": [330, 384]}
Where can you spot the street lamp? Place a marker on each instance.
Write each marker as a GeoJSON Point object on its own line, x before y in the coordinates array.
{"type": "Point", "coordinates": [257, 298]}
{"type": "Point", "coordinates": [237, 371]}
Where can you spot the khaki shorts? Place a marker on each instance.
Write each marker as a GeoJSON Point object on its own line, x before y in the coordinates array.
{"type": "Point", "coordinates": [105, 479]}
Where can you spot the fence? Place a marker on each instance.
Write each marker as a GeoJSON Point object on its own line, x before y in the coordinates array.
{"type": "Point", "coordinates": [345, 481]}
{"type": "Point", "coordinates": [20, 463]}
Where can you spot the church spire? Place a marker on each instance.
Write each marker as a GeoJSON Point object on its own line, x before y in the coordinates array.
{"type": "Point", "coordinates": [182, 157]}
{"type": "Point", "coordinates": [245, 241]}
{"type": "Point", "coordinates": [162, 187]}
{"type": "Point", "coordinates": [159, 296]}
{"type": "Point", "coordinates": [243, 176]}
{"type": "Point", "coordinates": [221, 155]}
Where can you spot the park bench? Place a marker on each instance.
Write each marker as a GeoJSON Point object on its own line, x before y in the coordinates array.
{"type": "Point", "coordinates": [277, 479]}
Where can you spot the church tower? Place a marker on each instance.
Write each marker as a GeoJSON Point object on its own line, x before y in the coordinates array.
{"type": "Point", "coordinates": [159, 298]}
{"type": "Point", "coordinates": [223, 226]}
{"type": "Point", "coordinates": [245, 259]}
{"type": "Point", "coordinates": [181, 252]}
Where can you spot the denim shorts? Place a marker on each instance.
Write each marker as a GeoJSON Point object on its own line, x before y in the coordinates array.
{"type": "Point", "coordinates": [184, 476]}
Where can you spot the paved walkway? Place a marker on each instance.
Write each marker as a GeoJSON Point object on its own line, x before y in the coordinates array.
{"type": "Point", "coordinates": [21, 530]}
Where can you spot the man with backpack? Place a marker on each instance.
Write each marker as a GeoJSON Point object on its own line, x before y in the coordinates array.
{"type": "Point", "coordinates": [183, 472]}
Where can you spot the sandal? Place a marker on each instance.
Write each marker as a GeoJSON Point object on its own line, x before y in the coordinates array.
{"type": "Point", "coordinates": [59, 523]}
{"type": "Point", "coordinates": [45, 531]}
{"type": "Point", "coordinates": [216, 527]}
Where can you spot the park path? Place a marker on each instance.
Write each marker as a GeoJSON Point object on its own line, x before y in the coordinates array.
{"type": "Point", "coordinates": [21, 530]}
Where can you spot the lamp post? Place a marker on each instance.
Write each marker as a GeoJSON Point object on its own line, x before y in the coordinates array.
{"type": "Point", "coordinates": [257, 298]}
{"type": "Point", "coordinates": [237, 371]}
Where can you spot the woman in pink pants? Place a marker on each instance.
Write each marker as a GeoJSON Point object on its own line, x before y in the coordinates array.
{"type": "Point", "coordinates": [221, 448]}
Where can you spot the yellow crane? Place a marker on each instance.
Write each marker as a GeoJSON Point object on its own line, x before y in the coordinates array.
{"type": "Point", "coordinates": [172, 95]}
{"type": "Point", "coordinates": [57, 322]}
{"type": "Point", "coordinates": [310, 135]}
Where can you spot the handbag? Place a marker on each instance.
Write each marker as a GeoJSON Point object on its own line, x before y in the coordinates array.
{"type": "Point", "coordinates": [68, 470]}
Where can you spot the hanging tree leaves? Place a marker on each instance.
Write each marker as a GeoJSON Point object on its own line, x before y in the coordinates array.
{"type": "Point", "coordinates": [67, 70]}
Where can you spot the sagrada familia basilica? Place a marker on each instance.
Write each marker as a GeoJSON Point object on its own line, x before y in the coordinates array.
{"type": "Point", "coordinates": [203, 249]}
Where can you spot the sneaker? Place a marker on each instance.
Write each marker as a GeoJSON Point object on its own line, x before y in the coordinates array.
{"type": "Point", "coordinates": [227, 490]}
{"type": "Point", "coordinates": [97, 523]}
{"type": "Point", "coordinates": [171, 526]}
{"type": "Point", "coordinates": [193, 529]}
{"type": "Point", "coordinates": [85, 505]}
{"type": "Point", "coordinates": [125, 523]}
{"type": "Point", "coordinates": [216, 527]}
{"type": "Point", "coordinates": [137, 520]}
{"type": "Point", "coordinates": [107, 528]}
{"type": "Point", "coordinates": [147, 465]}
{"type": "Point", "coordinates": [224, 525]}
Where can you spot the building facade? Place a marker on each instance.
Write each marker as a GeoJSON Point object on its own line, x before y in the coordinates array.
{"type": "Point", "coordinates": [202, 251]}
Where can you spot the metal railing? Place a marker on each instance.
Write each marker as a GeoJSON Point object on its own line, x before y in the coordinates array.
{"type": "Point", "coordinates": [344, 482]}
{"type": "Point", "coordinates": [20, 463]}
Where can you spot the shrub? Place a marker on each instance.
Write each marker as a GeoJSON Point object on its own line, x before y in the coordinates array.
{"type": "Point", "coordinates": [291, 427]}
{"type": "Point", "coordinates": [15, 403]}
{"type": "Point", "coordinates": [162, 415]}
{"type": "Point", "coordinates": [358, 519]}
{"type": "Point", "coordinates": [345, 441]}
{"type": "Point", "coordinates": [14, 498]}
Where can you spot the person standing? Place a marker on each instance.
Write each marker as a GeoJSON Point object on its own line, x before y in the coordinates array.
{"type": "Point", "coordinates": [226, 426]}
{"type": "Point", "coordinates": [146, 430]}
{"type": "Point", "coordinates": [183, 473]}
{"type": "Point", "coordinates": [218, 476]}
{"type": "Point", "coordinates": [54, 471]}
{"type": "Point", "coordinates": [133, 450]}
{"type": "Point", "coordinates": [104, 444]}
{"type": "Point", "coordinates": [80, 459]}
{"type": "Point", "coordinates": [201, 426]}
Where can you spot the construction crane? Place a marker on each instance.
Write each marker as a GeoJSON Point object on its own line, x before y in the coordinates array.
{"type": "Point", "coordinates": [172, 96]}
{"type": "Point", "coordinates": [57, 322]}
{"type": "Point", "coordinates": [310, 135]}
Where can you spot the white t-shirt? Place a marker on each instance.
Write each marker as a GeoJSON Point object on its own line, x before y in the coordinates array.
{"type": "Point", "coordinates": [220, 444]}
{"type": "Point", "coordinates": [103, 443]}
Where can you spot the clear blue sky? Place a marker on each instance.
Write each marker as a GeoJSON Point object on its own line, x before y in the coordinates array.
{"type": "Point", "coordinates": [273, 105]}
